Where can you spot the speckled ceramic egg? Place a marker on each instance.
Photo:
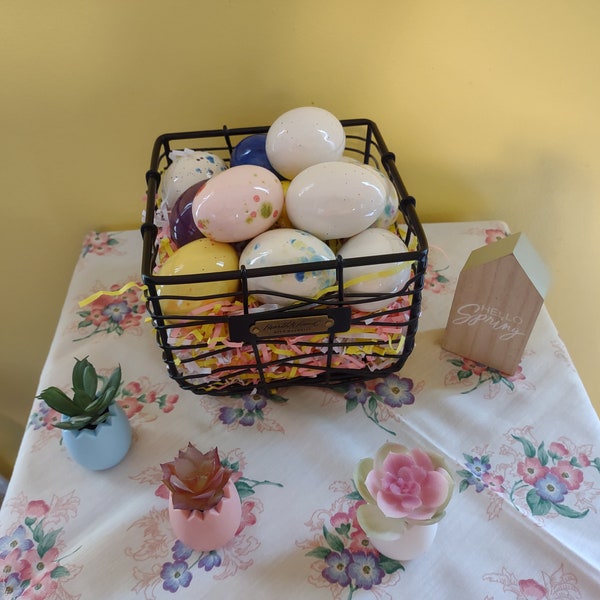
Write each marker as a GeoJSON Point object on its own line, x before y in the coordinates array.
{"type": "Point", "coordinates": [198, 257]}
{"type": "Point", "coordinates": [238, 203]}
{"type": "Point", "coordinates": [336, 199]}
{"type": "Point", "coordinates": [390, 210]}
{"type": "Point", "coordinates": [188, 167]}
{"type": "Point", "coordinates": [386, 278]}
{"type": "Point", "coordinates": [286, 247]}
{"type": "Point", "coordinates": [302, 137]}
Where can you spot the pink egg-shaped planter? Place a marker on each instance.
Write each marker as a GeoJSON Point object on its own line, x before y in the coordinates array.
{"type": "Point", "coordinates": [209, 529]}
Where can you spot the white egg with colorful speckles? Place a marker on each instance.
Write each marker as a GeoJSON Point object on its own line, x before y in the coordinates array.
{"type": "Point", "coordinates": [187, 168]}
{"type": "Point", "coordinates": [282, 247]}
{"type": "Point", "coordinates": [335, 200]}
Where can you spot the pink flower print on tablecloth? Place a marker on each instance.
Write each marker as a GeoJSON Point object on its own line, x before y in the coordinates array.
{"type": "Point", "coordinates": [471, 376]}
{"type": "Point", "coordinates": [99, 243]}
{"type": "Point", "coordinates": [437, 264]}
{"type": "Point", "coordinates": [435, 281]}
{"type": "Point", "coordinates": [112, 314]}
{"type": "Point", "coordinates": [140, 399]}
{"type": "Point", "coordinates": [493, 235]}
{"type": "Point", "coordinates": [343, 559]}
{"type": "Point", "coordinates": [163, 562]}
{"type": "Point", "coordinates": [543, 481]}
{"type": "Point", "coordinates": [558, 584]}
{"type": "Point", "coordinates": [135, 395]}
{"type": "Point", "coordinates": [32, 563]}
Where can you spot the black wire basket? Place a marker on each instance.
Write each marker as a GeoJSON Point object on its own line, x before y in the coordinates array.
{"type": "Point", "coordinates": [315, 341]}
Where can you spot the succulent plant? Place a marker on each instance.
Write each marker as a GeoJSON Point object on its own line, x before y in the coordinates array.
{"type": "Point", "coordinates": [195, 479]}
{"type": "Point", "coordinates": [89, 406]}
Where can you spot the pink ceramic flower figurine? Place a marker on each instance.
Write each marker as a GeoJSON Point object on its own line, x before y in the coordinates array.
{"type": "Point", "coordinates": [401, 488]}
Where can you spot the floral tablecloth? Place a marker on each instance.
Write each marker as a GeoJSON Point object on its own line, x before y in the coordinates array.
{"type": "Point", "coordinates": [524, 451]}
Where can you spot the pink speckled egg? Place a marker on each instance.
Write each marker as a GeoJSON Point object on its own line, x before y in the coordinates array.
{"type": "Point", "coordinates": [238, 204]}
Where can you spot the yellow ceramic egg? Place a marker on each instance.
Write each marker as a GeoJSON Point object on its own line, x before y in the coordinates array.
{"type": "Point", "coordinates": [198, 257]}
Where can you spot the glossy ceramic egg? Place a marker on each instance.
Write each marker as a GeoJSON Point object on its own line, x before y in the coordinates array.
{"type": "Point", "coordinates": [386, 278]}
{"type": "Point", "coordinates": [389, 214]}
{"type": "Point", "coordinates": [252, 151]}
{"type": "Point", "coordinates": [390, 210]}
{"type": "Point", "coordinates": [335, 199]}
{"type": "Point", "coordinates": [238, 203]}
{"type": "Point", "coordinates": [188, 167]}
{"type": "Point", "coordinates": [197, 257]}
{"type": "Point", "coordinates": [286, 247]}
{"type": "Point", "coordinates": [181, 220]}
{"type": "Point", "coordinates": [303, 137]}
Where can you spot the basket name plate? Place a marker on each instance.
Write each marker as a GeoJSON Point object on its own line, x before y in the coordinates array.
{"type": "Point", "coordinates": [245, 328]}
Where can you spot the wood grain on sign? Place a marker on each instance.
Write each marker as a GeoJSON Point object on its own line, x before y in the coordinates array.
{"type": "Point", "coordinates": [498, 297]}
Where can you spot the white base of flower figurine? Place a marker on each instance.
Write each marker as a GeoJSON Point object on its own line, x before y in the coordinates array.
{"type": "Point", "coordinates": [414, 542]}
{"type": "Point", "coordinates": [210, 529]}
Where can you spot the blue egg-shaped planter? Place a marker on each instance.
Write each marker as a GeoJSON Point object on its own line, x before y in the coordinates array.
{"type": "Point", "coordinates": [103, 447]}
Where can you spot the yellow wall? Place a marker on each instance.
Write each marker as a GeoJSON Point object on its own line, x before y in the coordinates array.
{"type": "Point", "coordinates": [492, 108]}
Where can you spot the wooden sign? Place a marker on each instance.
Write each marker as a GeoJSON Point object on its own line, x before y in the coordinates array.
{"type": "Point", "coordinates": [499, 294]}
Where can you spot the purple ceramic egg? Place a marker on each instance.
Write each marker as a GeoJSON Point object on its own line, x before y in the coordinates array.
{"type": "Point", "coordinates": [181, 219]}
{"type": "Point", "coordinates": [252, 151]}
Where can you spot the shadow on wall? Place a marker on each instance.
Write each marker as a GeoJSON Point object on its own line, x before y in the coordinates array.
{"type": "Point", "coordinates": [10, 439]}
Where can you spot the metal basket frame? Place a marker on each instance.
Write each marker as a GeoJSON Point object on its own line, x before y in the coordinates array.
{"type": "Point", "coordinates": [365, 142]}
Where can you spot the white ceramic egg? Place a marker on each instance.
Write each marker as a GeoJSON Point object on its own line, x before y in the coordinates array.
{"type": "Point", "coordinates": [302, 137]}
{"type": "Point", "coordinates": [238, 204]}
{"type": "Point", "coordinates": [188, 167]}
{"type": "Point", "coordinates": [335, 199]}
{"type": "Point", "coordinates": [390, 210]}
{"type": "Point", "coordinates": [287, 247]}
{"type": "Point", "coordinates": [386, 278]}
{"type": "Point", "coordinates": [389, 214]}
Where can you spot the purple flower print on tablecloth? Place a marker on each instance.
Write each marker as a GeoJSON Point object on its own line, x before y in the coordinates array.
{"type": "Point", "coordinates": [164, 563]}
{"type": "Point", "coordinates": [540, 479]}
{"type": "Point", "coordinates": [558, 584]}
{"type": "Point", "coordinates": [247, 410]}
{"type": "Point", "coordinates": [141, 400]}
{"type": "Point", "coordinates": [111, 314]}
{"type": "Point", "coordinates": [343, 560]}
{"type": "Point", "coordinates": [379, 399]}
{"type": "Point", "coordinates": [99, 243]}
{"type": "Point", "coordinates": [33, 556]}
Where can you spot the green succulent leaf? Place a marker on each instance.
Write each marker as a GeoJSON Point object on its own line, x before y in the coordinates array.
{"type": "Point", "coordinates": [88, 407]}
{"type": "Point", "coordinates": [56, 399]}
{"type": "Point", "coordinates": [99, 419]}
{"type": "Point", "coordinates": [82, 400]}
{"type": "Point", "coordinates": [100, 405]}
{"type": "Point", "coordinates": [113, 383]}
{"type": "Point", "coordinates": [77, 422]}
{"type": "Point", "coordinates": [78, 375]}
{"type": "Point", "coordinates": [90, 380]}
